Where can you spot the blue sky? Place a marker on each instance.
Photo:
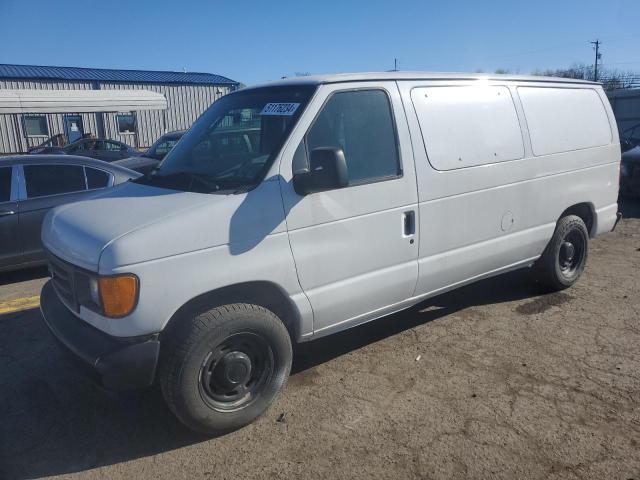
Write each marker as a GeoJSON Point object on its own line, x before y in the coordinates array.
{"type": "Point", "coordinates": [256, 41]}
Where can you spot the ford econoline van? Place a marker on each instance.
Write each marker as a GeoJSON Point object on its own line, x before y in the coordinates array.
{"type": "Point", "coordinates": [300, 208]}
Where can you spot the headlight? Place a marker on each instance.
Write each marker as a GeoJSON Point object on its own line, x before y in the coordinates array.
{"type": "Point", "coordinates": [94, 291]}
{"type": "Point", "coordinates": [113, 296]}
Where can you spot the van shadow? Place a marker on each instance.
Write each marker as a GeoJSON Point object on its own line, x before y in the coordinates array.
{"type": "Point", "coordinates": [258, 215]}
{"type": "Point", "coordinates": [516, 285]}
{"type": "Point", "coordinates": [54, 421]}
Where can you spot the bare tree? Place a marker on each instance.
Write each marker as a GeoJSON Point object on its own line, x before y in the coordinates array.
{"type": "Point", "coordinates": [611, 79]}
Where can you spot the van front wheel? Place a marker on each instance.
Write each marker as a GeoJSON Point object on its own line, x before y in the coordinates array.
{"type": "Point", "coordinates": [565, 257]}
{"type": "Point", "coordinates": [222, 369]}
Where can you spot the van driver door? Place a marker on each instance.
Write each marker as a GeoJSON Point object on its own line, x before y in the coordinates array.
{"type": "Point", "coordinates": [355, 248]}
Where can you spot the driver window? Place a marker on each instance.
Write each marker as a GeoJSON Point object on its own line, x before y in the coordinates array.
{"type": "Point", "coordinates": [361, 124]}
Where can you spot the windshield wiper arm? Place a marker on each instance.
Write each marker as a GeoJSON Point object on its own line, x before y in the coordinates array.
{"type": "Point", "coordinates": [201, 179]}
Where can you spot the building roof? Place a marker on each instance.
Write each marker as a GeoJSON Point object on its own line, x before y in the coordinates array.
{"type": "Point", "coordinates": [393, 76]}
{"type": "Point", "coordinates": [110, 75]}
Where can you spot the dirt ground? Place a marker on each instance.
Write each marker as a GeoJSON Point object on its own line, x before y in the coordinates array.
{"type": "Point", "coordinates": [509, 384]}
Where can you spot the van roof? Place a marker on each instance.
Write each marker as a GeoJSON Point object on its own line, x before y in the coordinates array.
{"type": "Point", "coordinates": [370, 76]}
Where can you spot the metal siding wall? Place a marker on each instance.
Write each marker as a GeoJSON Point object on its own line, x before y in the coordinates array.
{"type": "Point", "coordinates": [185, 104]}
{"type": "Point", "coordinates": [9, 137]}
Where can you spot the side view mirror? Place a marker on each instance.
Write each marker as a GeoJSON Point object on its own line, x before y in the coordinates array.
{"type": "Point", "coordinates": [327, 171]}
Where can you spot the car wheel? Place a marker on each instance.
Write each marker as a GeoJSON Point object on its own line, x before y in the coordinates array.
{"type": "Point", "coordinates": [565, 256]}
{"type": "Point", "coordinates": [222, 369]}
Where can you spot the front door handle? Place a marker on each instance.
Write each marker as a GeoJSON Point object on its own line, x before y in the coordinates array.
{"type": "Point", "coordinates": [409, 223]}
{"type": "Point", "coordinates": [4, 213]}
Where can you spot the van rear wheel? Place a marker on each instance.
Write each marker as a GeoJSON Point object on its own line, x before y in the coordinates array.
{"type": "Point", "coordinates": [565, 257]}
{"type": "Point", "coordinates": [222, 369]}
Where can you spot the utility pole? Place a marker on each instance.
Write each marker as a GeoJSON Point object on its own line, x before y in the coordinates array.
{"type": "Point", "coordinates": [598, 55]}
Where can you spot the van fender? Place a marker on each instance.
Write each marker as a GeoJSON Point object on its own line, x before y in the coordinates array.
{"type": "Point", "coordinates": [263, 293]}
{"type": "Point", "coordinates": [587, 212]}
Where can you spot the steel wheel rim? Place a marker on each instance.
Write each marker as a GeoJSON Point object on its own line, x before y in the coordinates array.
{"type": "Point", "coordinates": [571, 253]}
{"type": "Point", "coordinates": [234, 372]}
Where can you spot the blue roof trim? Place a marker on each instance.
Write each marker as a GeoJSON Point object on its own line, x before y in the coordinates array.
{"type": "Point", "coordinates": [110, 75]}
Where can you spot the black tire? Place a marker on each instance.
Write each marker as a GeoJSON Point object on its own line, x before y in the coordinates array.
{"type": "Point", "coordinates": [203, 357]}
{"type": "Point", "coordinates": [565, 256]}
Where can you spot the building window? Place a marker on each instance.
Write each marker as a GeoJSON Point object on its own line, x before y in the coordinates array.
{"type": "Point", "coordinates": [36, 126]}
{"type": "Point", "coordinates": [126, 123]}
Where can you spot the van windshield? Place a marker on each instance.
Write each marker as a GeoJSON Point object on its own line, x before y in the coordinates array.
{"type": "Point", "coordinates": [231, 146]}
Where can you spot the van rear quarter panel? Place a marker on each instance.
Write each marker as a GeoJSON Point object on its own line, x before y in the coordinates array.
{"type": "Point", "coordinates": [485, 218]}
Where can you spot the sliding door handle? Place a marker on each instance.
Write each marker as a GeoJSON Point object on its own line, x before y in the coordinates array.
{"type": "Point", "coordinates": [4, 213]}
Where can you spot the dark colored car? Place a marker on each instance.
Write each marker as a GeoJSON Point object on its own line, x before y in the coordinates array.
{"type": "Point", "coordinates": [56, 142]}
{"type": "Point", "coordinates": [30, 185]}
{"type": "Point", "coordinates": [630, 172]}
{"type": "Point", "coordinates": [155, 153]}
{"type": "Point", "coordinates": [101, 149]}
{"type": "Point", "coordinates": [630, 138]}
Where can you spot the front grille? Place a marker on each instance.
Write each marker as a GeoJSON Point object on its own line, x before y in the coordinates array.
{"type": "Point", "coordinates": [63, 279]}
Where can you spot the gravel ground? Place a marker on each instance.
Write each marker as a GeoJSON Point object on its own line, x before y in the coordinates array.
{"type": "Point", "coordinates": [493, 380]}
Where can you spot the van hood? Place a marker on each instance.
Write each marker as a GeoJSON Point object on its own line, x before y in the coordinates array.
{"type": "Point", "coordinates": [133, 223]}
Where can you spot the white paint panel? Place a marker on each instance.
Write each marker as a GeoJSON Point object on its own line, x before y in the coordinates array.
{"type": "Point", "coordinates": [564, 119]}
{"type": "Point", "coordinates": [467, 126]}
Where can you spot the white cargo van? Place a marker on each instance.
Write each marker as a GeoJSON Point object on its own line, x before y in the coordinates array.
{"type": "Point", "coordinates": [300, 208]}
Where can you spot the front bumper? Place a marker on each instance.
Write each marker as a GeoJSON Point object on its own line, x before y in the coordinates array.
{"type": "Point", "coordinates": [116, 363]}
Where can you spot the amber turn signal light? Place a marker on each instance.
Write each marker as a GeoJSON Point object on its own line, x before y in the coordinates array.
{"type": "Point", "coordinates": [119, 295]}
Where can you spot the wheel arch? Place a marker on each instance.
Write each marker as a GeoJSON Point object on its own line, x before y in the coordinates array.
{"type": "Point", "coordinates": [263, 293]}
{"type": "Point", "coordinates": [587, 212]}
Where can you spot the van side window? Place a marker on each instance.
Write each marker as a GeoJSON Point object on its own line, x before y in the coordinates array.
{"type": "Point", "coordinates": [564, 119]}
{"type": "Point", "coordinates": [360, 123]}
{"type": "Point", "coordinates": [5, 184]}
{"type": "Point", "coordinates": [43, 180]}
{"type": "Point", "coordinates": [467, 126]}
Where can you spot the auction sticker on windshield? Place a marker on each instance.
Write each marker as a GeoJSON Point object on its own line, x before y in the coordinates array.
{"type": "Point", "coordinates": [286, 109]}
